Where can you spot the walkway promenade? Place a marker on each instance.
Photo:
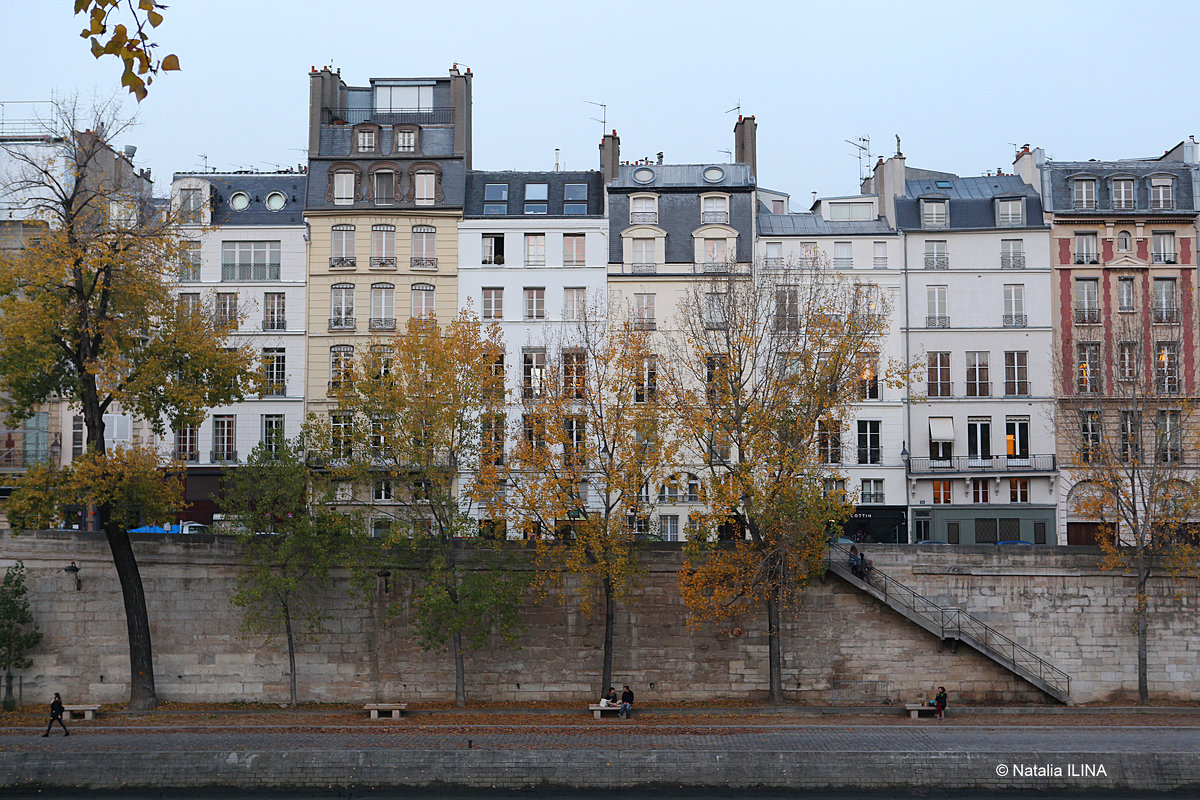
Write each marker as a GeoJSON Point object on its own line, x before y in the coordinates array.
{"type": "Point", "coordinates": [738, 748]}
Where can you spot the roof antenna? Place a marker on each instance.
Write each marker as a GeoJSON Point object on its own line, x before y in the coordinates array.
{"type": "Point", "coordinates": [205, 157]}
{"type": "Point", "coordinates": [737, 108]}
{"type": "Point", "coordinates": [603, 119]}
{"type": "Point", "coordinates": [862, 146]}
{"type": "Point", "coordinates": [728, 155]}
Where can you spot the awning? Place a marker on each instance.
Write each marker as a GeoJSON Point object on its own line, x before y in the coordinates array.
{"type": "Point", "coordinates": [941, 429]}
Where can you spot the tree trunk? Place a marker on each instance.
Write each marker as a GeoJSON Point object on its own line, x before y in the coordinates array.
{"type": "Point", "coordinates": [142, 696]}
{"type": "Point", "coordinates": [460, 673]}
{"type": "Point", "coordinates": [291, 641]}
{"type": "Point", "coordinates": [1142, 612]}
{"type": "Point", "coordinates": [606, 667]}
{"type": "Point", "coordinates": [774, 651]}
{"type": "Point", "coordinates": [10, 702]}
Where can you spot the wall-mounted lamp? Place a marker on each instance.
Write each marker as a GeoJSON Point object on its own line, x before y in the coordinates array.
{"type": "Point", "coordinates": [73, 570]}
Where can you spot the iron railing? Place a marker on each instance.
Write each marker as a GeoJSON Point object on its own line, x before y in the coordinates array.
{"type": "Point", "coordinates": [383, 262]}
{"type": "Point", "coordinates": [643, 269]}
{"type": "Point", "coordinates": [714, 217]}
{"type": "Point", "coordinates": [426, 262]}
{"type": "Point", "coordinates": [439, 115]}
{"type": "Point", "coordinates": [342, 324]}
{"type": "Point", "coordinates": [1162, 258]}
{"type": "Point", "coordinates": [1087, 316]}
{"type": "Point", "coordinates": [643, 218]}
{"type": "Point", "coordinates": [383, 323]}
{"type": "Point", "coordinates": [937, 321]}
{"type": "Point", "coordinates": [1012, 261]}
{"type": "Point", "coordinates": [1087, 257]}
{"type": "Point", "coordinates": [937, 262]}
{"type": "Point", "coordinates": [1026, 463]}
{"type": "Point", "coordinates": [343, 262]}
{"type": "Point", "coordinates": [1015, 320]}
{"type": "Point", "coordinates": [1166, 315]}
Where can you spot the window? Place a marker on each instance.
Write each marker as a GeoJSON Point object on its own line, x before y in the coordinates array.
{"type": "Point", "coordinates": [366, 140]}
{"type": "Point", "coordinates": [774, 254]}
{"type": "Point", "coordinates": [979, 440]}
{"type": "Point", "coordinates": [978, 383]}
{"type": "Point", "coordinates": [272, 432]}
{"type": "Point", "coordinates": [573, 250]}
{"type": "Point", "coordinates": [191, 206]}
{"type": "Point", "coordinates": [778, 207]}
{"type": "Point", "coordinates": [1163, 247]}
{"type": "Point", "coordinates": [224, 447]}
{"type": "Point", "coordinates": [868, 376]}
{"type": "Point", "coordinates": [189, 304]}
{"type": "Point", "coordinates": [872, 490]}
{"type": "Point", "coordinates": [1169, 442]}
{"type": "Point", "coordinates": [645, 381]}
{"type": "Point", "coordinates": [715, 379]}
{"type": "Point", "coordinates": [714, 310]}
{"type": "Point", "coordinates": [642, 251]}
{"type": "Point", "coordinates": [573, 303]}
{"type": "Point", "coordinates": [938, 375]}
{"type": "Point", "coordinates": [341, 253]}
{"type": "Point", "coordinates": [1016, 373]}
{"type": "Point", "coordinates": [1087, 301]}
{"type": "Point", "coordinates": [406, 140]}
{"type": "Point", "coordinates": [341, 306]}
{"type": "Point", "coordinates": [1166, 308]}
{"type": "Point", "coordinates": [1014, 305]}
{"type": "Point", "coordinates": [1084, 193]}
{"type": "Point", "coordinates": [937, 311]}
{"type": "Point", "coordinates": [1089, 435]}
{"type": "Point", "coordinates": [1010, 213]}
{"type": "Point", "coordinates": [719, 447]}
{"type": "Point", "coordinates": [383, 246]}
{"type": "Point", "coordinates": [1160, 194]}
{"type": "Point", "coordinates": [643, 211]}
{"type": "Point", "coordinates": [383, 307]}
{"type": "Point", "coordinates": [424, 247]}
{"type": "Point", "coordinates": [714, 210]}
{"type": "Point", "coordinates": [274, 372]}
{"type": "Point", "coordinates": [787, 308]}
{"type": "Point", "coordinates": [714, 252]}
{"type": "Point", "coordinates": [187, 443]}
{"type": "Point", "coordinates": [492, 251]}
{"type": "Point", "coordinates": [492, 439]}
{"type": "Point", "coordinates": [1018, 490]}
{"type": "Point", "coordinates": [574, 374]}
{"type": "Point", "coordinates": [829, 441]}
{"type": "Point", "coordinates": [535, 249]}
{"type": "Point", "coordinates": [643, 311]}
{"type": "Point", "coordinates": [880, 259]}
{"type": "Point", "coordinates": [341, 444]}
{"type": "Point", "coordinates": [423, 300]}
{"type": "Point", "coordinates": [1124, 242]}
{"type": "Point", "coordinates": [1016, 438]}
{"type": "Point", "coordinates": [850, 211]}
{"type": "Point", "coordinates": [1127, 361]}
{"type": "Point", "coordinates": [1122, 194]}
{"type": "Point", "coordinates": [1088, 354]}
{"type": "Point", "coordinates": [343, 188]}
{"type": "Point", "coordinates": [575, 199]}
{"type": "Point", "coordinates": [533, 372]}
{"type": "Point", "coordinates": [941, 492]}
{"type": "Point", "coordinates": [1012, 254]}
{"type": "Point", "coordinates": [574, 441]}
{"type": "Point", "coordinates": [535, 198]}
{"type": "Point", "coordinates": [535, 302]}
{"type": "Point", "coordinates": [843, 255]}
{"type": "Point", "coordinates": [385, 188]}
{"type": "Point", "coordinates": [834, 487]}
{"type": "Point", "coordinates": [227, 308]}
{"type": "Point", "coordinates": [493, 303]}
{"type": "Point", "coordinates": [533, 430]}
{"type": "Point", "coordinates": [1166, 367]}
{"type": "Point", "coordinates": [1125, 294]}
{"type": "Point", "coordinates": [669, 527]}
{"type": "Point", "coordinates": [933, 213]}
{"type": "Point", "coordinates": [425, 183]}
{"type": "Point", "coordinates": [341, 358]}
{"type": "Point", "coordinates": [383, 491]}
{"type": "Point", "coordinates": [380, 363]}
{"type": "Point", "coordinates": [1131, 436]}
{"type": "Point", "coordinates": [937, 255]}
{"type": "Point", "coordinates": [250, 261]}
{"type": "Point", "coordinates": [495, 198]}
{"type": "Point", "coordinates": [869, 447]}
{"type": "Point", "coordinates": [979, 490]}
{"type": "Point", "coordinates": [1085, 249]}
{"type": "Point", "coordinates": [189, 264]}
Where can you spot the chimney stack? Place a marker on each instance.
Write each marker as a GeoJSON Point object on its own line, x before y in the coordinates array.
{"type": "Point", "coordinates": [610, 155]}
{"type": "Point", "coordinates": [745, 145]}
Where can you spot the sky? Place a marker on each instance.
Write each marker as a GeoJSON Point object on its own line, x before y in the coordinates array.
{"type": "Point", "coordinates": [962, 83]}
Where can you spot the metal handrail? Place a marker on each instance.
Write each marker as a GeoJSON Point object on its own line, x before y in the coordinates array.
{"type": "Point", "coordinates": [955, 623]}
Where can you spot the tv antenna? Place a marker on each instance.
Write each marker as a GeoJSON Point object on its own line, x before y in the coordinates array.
{"type": "Point", "coordinates": [205, 157]}
{"type": "Point", "coordinates": [862, 147]}
{"type": "Point", "coordinates": [737, 108]}
{"type": "Point", "coordinates": [603, 118]}
{"type": "Point", "coordinates": [728, 155]}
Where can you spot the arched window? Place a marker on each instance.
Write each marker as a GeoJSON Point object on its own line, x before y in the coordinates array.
{"type": "Point", "coordinates": [341, 359]}
{"type": "Point", "coordinates": [383, 307]}
{"type": "Point", "coordinates": [1124, 242]}
{"type": "Point", "coordinates": [423, 300]}
{"type": "Point", "coordinates": [341, 306]}
{"type": "Point", "coordinates": [383, 246]}
{"type": "Point", "coordinates": [424, 246]}
{"type": "Point", "coordinates": [342, 246]}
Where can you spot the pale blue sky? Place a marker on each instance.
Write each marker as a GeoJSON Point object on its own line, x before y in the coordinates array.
{"type": "Point", "coordinates": [960, 82]}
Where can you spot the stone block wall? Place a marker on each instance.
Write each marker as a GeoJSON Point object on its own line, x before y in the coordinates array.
{"type": "Point", "coordinates": [1053, 600]}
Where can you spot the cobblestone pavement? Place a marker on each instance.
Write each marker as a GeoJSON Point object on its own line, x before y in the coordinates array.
{"type": "Point", "coordinates": [620, 736]}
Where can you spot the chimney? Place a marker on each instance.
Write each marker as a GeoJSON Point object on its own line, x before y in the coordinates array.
{"type": "Point", "coordinates": [325, 101]}
{"type": "Point", "coordinates": [460, 99]}
{"type": "Point", "coordinates": [745, 146]}
{"type": "Point", "coordinates": [1028, 164]}
{"type": "Point", "coordinates": [888, 183]}
{"type": "Point", "coordinates": [610, 155]}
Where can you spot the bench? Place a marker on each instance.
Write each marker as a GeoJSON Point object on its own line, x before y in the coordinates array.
{"type": "Point", "coordinates": [396, 708]}
{"type": "Point", "coordinates": [86, 710]}
{"type": "Point", "coordinates": [598, 710]}
{"type": "Point", "coordinates": [915, 709]}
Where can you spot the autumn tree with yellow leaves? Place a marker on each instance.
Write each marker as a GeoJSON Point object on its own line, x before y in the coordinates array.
{"type": "Point", "coordinates": [759, 358]}
{"type": "Point", "coordinates": [87, 314]}
{"type": "Point", "coordinates": [591, 451]}
{"type": "Point", "coordinates": [122, 29]}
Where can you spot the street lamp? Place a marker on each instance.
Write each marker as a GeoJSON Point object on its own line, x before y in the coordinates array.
{"type": "Point", "coordinates": [73, 571]}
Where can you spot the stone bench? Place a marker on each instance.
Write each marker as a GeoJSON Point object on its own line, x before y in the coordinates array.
{"type": "Point", "coordinates": [598, 710]}
{"type": "Point", "coordinates": [86, 710]}
{"type": "Point", "coordinates": [915, 709]}
{"type": "Point", "coordinates": [396, 708]}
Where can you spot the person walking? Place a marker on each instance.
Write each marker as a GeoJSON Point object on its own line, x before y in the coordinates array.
{"type": "Point", "coordinates": [56, 714]}
{"type": "Point", "coordinates": [626, 703]}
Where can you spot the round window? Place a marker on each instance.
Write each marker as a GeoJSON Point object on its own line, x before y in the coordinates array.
{"type": "Point", "coordinates": [239, 201]}
{"type": "Point", "coordinates": [643, 175]}
{"type": "Point", "coordinates": [276, 201]}
{"type": "Point", "coordinates": [714, 174]}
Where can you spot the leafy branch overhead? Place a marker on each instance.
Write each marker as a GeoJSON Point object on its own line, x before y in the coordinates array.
{"type": "Point", "coordinates": [130, 43]}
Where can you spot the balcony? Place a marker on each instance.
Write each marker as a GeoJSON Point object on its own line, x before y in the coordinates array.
{"type": "Point", "coordinates": [645, 324]}
{"type": "Point", "coordinates": [1012, 261]}
{"type": "Point", "coordinates": [343, 262]}
{"type": "Point", "coordinates": [423, 262]}
{"type": "Point", "coordinates": [643, 268]}
{"type": "Point", "coordinates": [871, 497]}
{"type": "Point", "coordinates": [939, 389]}
{"type": "Point", "coordinates": [342, 324]}
{"type": "Point", "coordinates": [843, 263]}
{"type": "Point", "coordinates": [439, 115]}
{"type": "Point", "coordinates": [187, 456]}
{"type": "Point", "coordinates": [715, 267]}
{"type": "Point", "coordinates": [383, 262]}
{"type": "Point", "coordinates": [937, 321]}
{"type": "Point", "coordinates": [1086, 257]}
{"type": "Point", "coordinates": [274, 389]}
{"type": "Point", "coordinates": [382, 323]}
{"type": "Point", "coordinates": [977, 464]}
{"type": "Point", "coordinates": [1015, 320]}
{"type": "Point", "coordinates": [1086, 315]}
{"type": "Point", "coordinates": [1166, 315]}
{"type": "Point", "coordinates": [643, 218]}
{"type": "Point", "coordinates": [937, 262]}
{"type": "Point", "coordinates": [1164, 257]}
{"type": "Point", "coordinates": [274, 324]}
{"type": "Point", "coordinates": [715, 218]}
{"type": "Point", "coordinates": [222, 456]}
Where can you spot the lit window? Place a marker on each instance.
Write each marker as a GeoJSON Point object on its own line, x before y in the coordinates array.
{"type": "Point", "coordinates": [1018, 490]}
{"type": "Point", "coordinates": [941, 492]}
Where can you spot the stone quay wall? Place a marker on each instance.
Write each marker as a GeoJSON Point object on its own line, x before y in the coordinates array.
{"type": "Point", "coordinates": [1055, 601]}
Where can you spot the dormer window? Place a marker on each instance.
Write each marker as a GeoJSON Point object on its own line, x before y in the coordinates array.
{"type": "Point", "coordinates": [1161, 195]}
{"type": "Point", "coordinates": [1084, 193]}
{"type": "Point", "coordinates": [934, 214]}
{"type": "Point", "coordinates": [1010, 213]}
{"type": "Point", "coordinates": [536, 198]}
{"type": "Point", "coordinates": [495, 198]}
{"type": "Point", "coordinates": [425, 183]}
{"type": "Point", "coordinates": [366, 140]}
{"type": "Point", "coordinates": [343, 188]}
{"type": "Point", "coordinates": [1122, 194]}
{"type": "Point", "coordinates": [715, 210]}
{"type": "Point", "coordinates": [406, 140]}
{"type": "Point", "coordinates": [850, 211]}
{"type": "Point", "coordinates": [191, 206]}
{"type": "Point", "coordinates": [643, 210]}
{"type": "Point", "coordinates": [575, 199]}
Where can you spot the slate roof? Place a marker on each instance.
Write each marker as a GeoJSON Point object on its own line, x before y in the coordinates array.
{"type": "Point", "coordinates": [815, 225]}
{"type": "Point", "coordinates": [257, 185]}
{"type": "Point", "coordinates": [971, 201]}
{"type": "Point", "coordinates": [683, 176]}
{"type": "Point", "coordinates": [1062, 196]}
{"type": "Point", "coordinates": [516, 181]}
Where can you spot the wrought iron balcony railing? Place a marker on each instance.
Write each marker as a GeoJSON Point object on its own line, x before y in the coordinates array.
{"type": "Point", "coordinates": [1015, 320]}
{"type": "Point", "coordinates": [1166, 315]}
{"type": "Point", "coordinates": [643, 268]}
{"type": "Point", "coordinates": [342, 324]}
{"type": "Point", "coordinates": [423, 262]}
{"type": "Point", "coordinates": [343, 262]}
{"type": "Point", "coordinates": [1012, 261]}
{"type": "Point", "coordinates": [937, 262]}
{"type": "Point", "coordinates": [383, 262]}
{"type": "Point", "coordinates": [1025, 463]}
{"type": "Point", "coordinates": [643, 218]}
{"type": "Point", "coordinates": [1087, 315]}
{"type": "Point", "coordinates": [937, 321]}
{"type": "Point", "coordinates": [715, 217]}
{"type": "Point", "coordinates": [383, 323]}
{"type": "Point", "coordinates": [274, 324]}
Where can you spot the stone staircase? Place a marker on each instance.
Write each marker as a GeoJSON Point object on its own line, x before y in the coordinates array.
{"type": "Point", "coordinates": [954, 624]}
